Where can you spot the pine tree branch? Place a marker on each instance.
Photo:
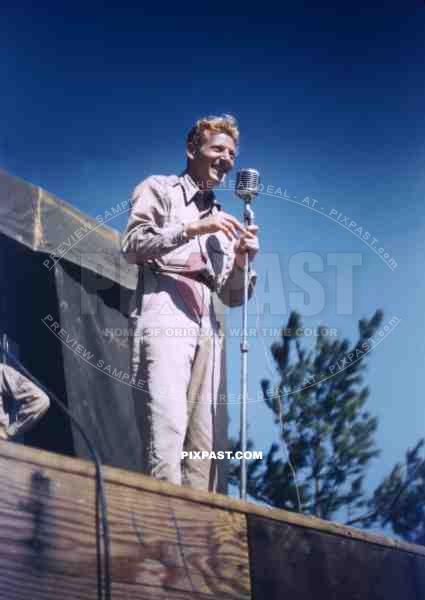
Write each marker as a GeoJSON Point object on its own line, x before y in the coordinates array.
{"type": "Point", "coordinates": [377, 512]}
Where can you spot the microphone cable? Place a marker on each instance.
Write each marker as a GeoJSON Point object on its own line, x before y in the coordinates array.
{"type": "Point", "coordinates": [103, 570]}
{"type": "Point", "coordinates": [280, 415]}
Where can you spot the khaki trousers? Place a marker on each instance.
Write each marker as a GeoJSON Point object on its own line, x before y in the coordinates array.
{"type": "Point", "coordinates": [176, 360]}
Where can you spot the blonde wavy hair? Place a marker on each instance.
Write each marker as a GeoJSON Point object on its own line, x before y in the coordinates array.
{"type": "Point", "coordinates": [224, 124]}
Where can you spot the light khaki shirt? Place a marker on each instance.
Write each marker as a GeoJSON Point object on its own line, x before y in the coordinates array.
{"type": "Point", "coordinates": [161, 205]}
{"type": "Point", "coordinates": [28, 403]}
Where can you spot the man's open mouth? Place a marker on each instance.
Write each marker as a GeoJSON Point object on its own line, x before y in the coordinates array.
{"type": "Point", "coordinates": [220, 172]}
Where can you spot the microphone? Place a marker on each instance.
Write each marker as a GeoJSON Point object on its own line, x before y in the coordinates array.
{"type": "Point", "coordinates": [247, 184]}
{"type": "Point", "coordinates": [246, 188]}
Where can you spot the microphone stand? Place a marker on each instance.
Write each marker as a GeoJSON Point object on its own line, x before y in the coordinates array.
{"type": "Point", "coordinates": [248, 220]}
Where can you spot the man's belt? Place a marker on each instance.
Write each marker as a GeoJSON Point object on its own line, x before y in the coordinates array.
{"type": "Point", "coordinates": [207, 279]}
{"type": "Point", "coordinates": [203, 276]}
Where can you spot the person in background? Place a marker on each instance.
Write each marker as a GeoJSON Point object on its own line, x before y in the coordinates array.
{"type": "Point", "coordinates": [22, 399]}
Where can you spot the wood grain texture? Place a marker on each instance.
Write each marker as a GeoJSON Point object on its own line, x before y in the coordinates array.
{"type": "Point", "coordinates": [171, 542]}
{"type": "Point", "coordinates": [52, 586]}
{"type": "Point", "coordinates": [162, 546]}
{"type": "Point", "coordinates": [42, 458]}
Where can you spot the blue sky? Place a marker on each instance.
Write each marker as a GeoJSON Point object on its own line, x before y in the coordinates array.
{"type": "Point", "coordinates": [330, 104]}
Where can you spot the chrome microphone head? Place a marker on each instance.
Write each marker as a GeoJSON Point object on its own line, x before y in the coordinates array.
{"type": "Point", "coordinates": [247, 184]}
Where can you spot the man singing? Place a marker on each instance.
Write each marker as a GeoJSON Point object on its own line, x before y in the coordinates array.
{"type": "Point", "coordinates": [186, 248]}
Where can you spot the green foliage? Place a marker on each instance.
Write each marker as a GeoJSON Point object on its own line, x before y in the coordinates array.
{"type": "Point", "coordinates": [325, 429]}
{"type": "Point", "coordinates": [319, 406]}
{"type": "Point", "coordinates": [399, 501]}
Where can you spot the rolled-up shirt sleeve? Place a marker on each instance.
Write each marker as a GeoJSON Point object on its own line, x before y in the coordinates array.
{"type": "Point", "coordinates": [149, 234]}
{"type": "Point", "coordinates": [30, 401]}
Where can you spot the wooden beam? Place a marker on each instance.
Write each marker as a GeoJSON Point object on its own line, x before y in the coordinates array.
{"type": "Point", "coordinates": [161, 544]}
{"type": "Point", "coordinates": [141, 482]}
{"type": "Point", "coordinates": [170, 542]}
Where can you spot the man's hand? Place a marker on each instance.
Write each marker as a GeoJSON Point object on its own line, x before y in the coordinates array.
{"type": "Point", "coordinates": [221, 221]}
{"type": "Point", "coordinates": [247, 243]}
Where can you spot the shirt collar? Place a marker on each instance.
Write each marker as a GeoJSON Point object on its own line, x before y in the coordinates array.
{"type": "Point", "coordinates": [191, 189]}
